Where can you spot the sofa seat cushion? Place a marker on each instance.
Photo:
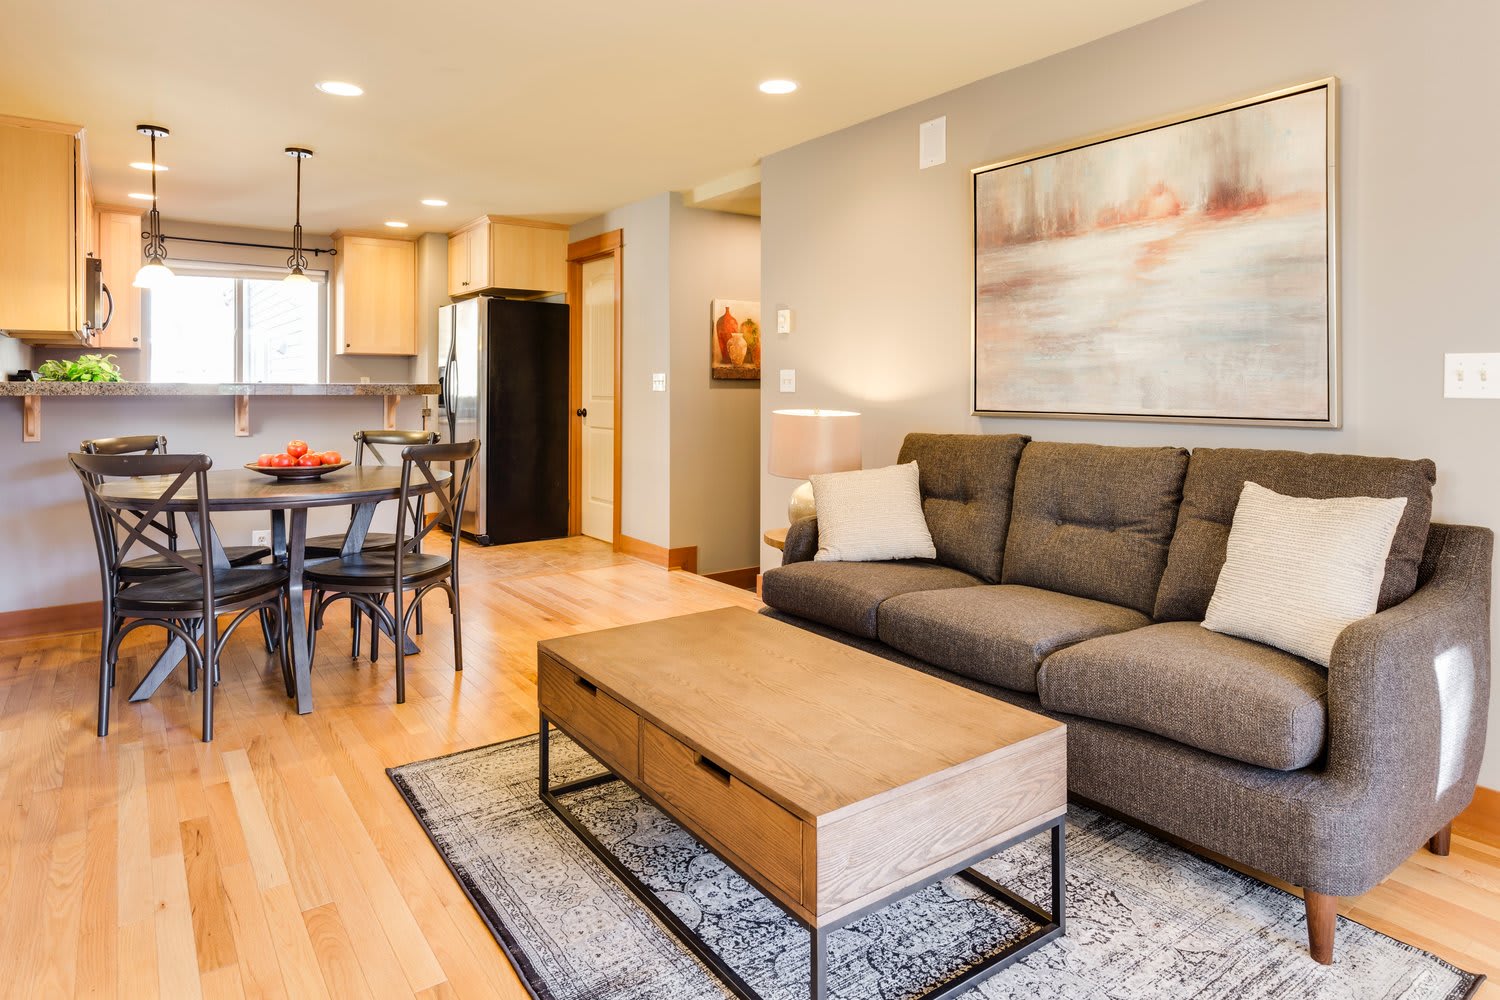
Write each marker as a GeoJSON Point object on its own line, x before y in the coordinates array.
{"type": "Point", "coordinates": [1229, 696]}
{"type": "Point", "coordinates": [847, 595]}
{"type": "Point", "coordinates": [999, 635]}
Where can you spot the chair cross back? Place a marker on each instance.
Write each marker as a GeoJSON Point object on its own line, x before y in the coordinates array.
{"type": "Point", "coordinates": [449, 496]}
{"type": "Point", "coordinates": [109, 520]}
{"type": "Point", "coordinates": [369, 439]}
{"type": "Point", "coordinates": [135, 444]}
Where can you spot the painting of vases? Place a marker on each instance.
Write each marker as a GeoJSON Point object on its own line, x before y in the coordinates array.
{"type": "Point", "coordinates": [1183, 271]}
{"type": "Point", "coordinates": [734, 339]}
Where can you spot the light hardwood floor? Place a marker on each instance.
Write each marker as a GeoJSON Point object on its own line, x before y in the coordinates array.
{"type": "Point", "coordinates": [279, 860]}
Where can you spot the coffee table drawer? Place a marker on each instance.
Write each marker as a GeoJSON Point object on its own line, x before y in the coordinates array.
{"type": "Point", "coordinates": [603, 725]}
{"type": "Point", "coordinates": [760, 833]}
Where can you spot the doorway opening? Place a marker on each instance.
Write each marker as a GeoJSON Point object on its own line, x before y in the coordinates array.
{"type": "Point", "coordinates": [595, 295]}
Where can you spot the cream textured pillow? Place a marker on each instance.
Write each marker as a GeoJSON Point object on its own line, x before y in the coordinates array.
{"type": "Point", "coordinates": [1299, 571]}
{"type": "Point", "coordinates": [871, 514]}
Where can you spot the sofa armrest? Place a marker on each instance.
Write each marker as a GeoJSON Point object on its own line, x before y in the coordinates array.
{"type": "Point", "coordinates": [1409, 689]}
{"type": "Point", "coordinates": [801, 541]}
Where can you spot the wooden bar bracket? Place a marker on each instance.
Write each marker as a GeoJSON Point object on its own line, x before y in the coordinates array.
{"type": "Point", "coordinates": [31, 418]}
{"type": "Point", "coordinates": [242, 416]}
{"type": "Point", "coordinates": [391, 402]}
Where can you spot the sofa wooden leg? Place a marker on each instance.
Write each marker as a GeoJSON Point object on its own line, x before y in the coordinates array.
{"type": "Point", "coordinates": [1442, 841]}
{"type": "Point", "coordinates": [1322, 918]}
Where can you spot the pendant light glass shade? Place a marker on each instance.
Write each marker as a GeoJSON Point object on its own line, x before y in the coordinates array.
{"type": "Point", "coordinates": [297, 262]}
{"type": "Point", "coordinates": [154, 273]}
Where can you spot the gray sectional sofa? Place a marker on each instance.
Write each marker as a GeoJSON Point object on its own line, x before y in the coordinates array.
{"type": "Point", "coordinates": [1072, 580]}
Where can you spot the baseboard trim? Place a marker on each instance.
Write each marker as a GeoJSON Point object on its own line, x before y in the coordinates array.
{"type": "Point", "coordinates": [683, 558]}
{"type": "Point", "coordinates": [1481, 820]}
{"type": "Point", "coordinates": [50, 621]}
{"type": "Point", "coordinates": [744, 578]}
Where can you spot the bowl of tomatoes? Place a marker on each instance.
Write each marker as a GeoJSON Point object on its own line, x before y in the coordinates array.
{"type": "Point", "coordinates": [297, 462]}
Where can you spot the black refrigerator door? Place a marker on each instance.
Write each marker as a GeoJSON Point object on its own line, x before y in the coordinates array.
{"type": "Point", "coordinates": [527, 434]}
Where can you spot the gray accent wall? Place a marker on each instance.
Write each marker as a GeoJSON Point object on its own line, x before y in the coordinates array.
{"type": "Point", "coordinates": [874, 255]}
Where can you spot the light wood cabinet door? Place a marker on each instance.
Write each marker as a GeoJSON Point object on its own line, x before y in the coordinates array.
{"type": "Point", "coordinates": [119, 234]}
{"type": "Point", "coordinates": [40, 232]}
{"type": "Point", "coordinates": [495, 253]}
{"type": "Point", "coordinates": [375, 296]}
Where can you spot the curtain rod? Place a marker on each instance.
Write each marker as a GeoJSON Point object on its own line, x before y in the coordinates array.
{"type": "Point", "coordinates": [258, 246]}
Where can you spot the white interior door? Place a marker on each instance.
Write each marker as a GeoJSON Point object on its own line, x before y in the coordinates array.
{"type": "Point", "coordinates": [598, 486]}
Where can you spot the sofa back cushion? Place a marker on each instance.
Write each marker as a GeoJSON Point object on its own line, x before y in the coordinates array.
{"type": "Point", "coordinates": [966, 482]}
{"type": "Point", "coordinates": [1094, 521]}
{"type": "Point", "coordinates": [1215, 479]}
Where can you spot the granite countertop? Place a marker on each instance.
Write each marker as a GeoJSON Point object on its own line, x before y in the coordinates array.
{"type": "Point", "coordinates": [217, 389]}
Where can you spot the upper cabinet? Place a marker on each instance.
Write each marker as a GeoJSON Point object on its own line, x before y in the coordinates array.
{"type": "Point", "coordinates": [45, 220]}
{"type": "Point", "coordinates": [374, 295]}
{"type": "Point", "coordinates": [119, 250]}
{"type": "Point", "coordinates": [500, 254]}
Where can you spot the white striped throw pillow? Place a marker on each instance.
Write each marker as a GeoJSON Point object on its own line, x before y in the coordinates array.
{"type": "Point", "coordinates": [1299, 571]}
{"type": "Point", "coordinates": [871, 514]}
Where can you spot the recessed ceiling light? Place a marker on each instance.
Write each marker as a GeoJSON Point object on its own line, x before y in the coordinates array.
{"type": "Point", "coordinates": [778, 86]}
{"type": "Point", "coordinates": [148, 166]}
{"type": "Point", "coordinates": [434, 202]}
{"type": "Point", "coordinates": [138, 196]}
{"type": "Point", "coordinates": [339, 88]}
{"type": "Point", "coordinates": [394, 224]}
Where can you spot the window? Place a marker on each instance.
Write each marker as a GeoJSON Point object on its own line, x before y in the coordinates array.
{"type": "Point", "coordinates": [239, 325]}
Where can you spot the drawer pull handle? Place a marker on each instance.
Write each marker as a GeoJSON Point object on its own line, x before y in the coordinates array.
{"type": "Point", "coordinates": [717, 770]}
{"type": "Point", "coordinates": [588, 686]}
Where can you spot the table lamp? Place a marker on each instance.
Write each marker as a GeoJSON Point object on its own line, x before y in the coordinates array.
{"type": "Point", "coordinates": [805, 443]}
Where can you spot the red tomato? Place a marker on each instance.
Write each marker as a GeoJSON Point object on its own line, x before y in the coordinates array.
{"type": "Point", "coordinates": [296, 448]}
{"type": "Point", "coordinates": [283, 461]}
{"type": "Point", "coordinates": [332, 458]}
{"type": "Point", "coordinates": [308, 461]}
{"type": "Point", "coordinates": [265, 459]}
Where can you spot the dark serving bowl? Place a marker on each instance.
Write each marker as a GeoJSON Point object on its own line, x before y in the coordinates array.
{"type": "Point", "coordinates": [296, 471]}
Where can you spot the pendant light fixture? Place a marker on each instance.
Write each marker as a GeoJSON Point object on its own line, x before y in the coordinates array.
{"type": "Point", "coordinates": [297, 262]}
{"type": "Point", "coordinates": [153, 273]}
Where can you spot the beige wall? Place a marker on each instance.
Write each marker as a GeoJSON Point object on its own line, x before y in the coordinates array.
{"type": "Point", "coordinates": [689, 453]}
{"type": "Point", "coordinates": [874, 254]}
{"type": "Point", "coordinates": [715, 423]}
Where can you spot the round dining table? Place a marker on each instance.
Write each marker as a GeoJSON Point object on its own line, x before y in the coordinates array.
{"type": "Point", "coordinates": [287, 501]}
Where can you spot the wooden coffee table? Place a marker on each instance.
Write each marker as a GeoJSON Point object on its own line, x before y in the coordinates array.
{"type": "Point", "coordinates": [833, 780]}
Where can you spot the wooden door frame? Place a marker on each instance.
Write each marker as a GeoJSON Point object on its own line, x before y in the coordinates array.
{"type": "Point", "coordinates": [610, 244]}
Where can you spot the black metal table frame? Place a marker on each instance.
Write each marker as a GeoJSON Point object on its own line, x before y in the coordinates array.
{"type": "Point", "coordinates": [1050, 925]}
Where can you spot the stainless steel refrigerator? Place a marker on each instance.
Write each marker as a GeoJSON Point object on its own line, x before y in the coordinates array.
{"type": "Point", "coordinates": [503, 372]}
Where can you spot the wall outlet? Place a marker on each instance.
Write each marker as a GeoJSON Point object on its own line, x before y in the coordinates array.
{"type": "Point", "coordinates": [658, 381]}
{"type": "Point", "coordinates": [788, 380]}
{"type": "Point", "coordinates": [1471, 376]}
{"type": "Point", "coordinates": [783, 321]}
{"type": "Point", "coordinates": [262, 537]}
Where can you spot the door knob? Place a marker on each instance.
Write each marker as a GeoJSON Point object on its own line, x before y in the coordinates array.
{"type": "Point", "coordinates": [581, 412]}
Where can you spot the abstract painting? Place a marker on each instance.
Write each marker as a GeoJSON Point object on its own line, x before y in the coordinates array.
{"type": "Point", "coordinates": [734, 339]}
{"type": "Point", "coordinates": [1184, 271]}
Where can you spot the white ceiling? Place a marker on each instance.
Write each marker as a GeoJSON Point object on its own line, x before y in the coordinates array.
{"type": "Point", "coordinates": [553, 110]}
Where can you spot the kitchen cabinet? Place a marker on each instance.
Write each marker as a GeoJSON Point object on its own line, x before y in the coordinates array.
{"type": "Point", "coordinates": [514, 256]}
{"type": "Point", "coordinates": [374, 295]}
{"type": "Point", "coordinates": [119, 252]}
{"type": "Point", "coordinates": [44, 230]}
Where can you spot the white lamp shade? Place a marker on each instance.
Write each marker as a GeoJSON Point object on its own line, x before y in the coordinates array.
{"type": "Point", "coordinates": [152, 275]}
{"type": "Point", "coordinates": [296, 277]}
{"type": "Point", "coordinates": [808, 442]}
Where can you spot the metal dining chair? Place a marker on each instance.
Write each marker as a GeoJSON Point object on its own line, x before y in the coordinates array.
{"type": "Point", "coordinates": [193, 592]}
{"type": "Point", "coordinates": [332, 545]}
{"type": "Point", "coordinates": [366, 578]}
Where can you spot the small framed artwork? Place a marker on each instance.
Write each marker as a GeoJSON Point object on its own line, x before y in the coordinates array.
{"type": "Point", "coordinates": [734, 339]}
{"type": "Point", "coordinates": [1185, 270]}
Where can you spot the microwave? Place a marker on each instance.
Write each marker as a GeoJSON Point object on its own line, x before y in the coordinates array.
{"type": "Point", "coordinates": [98, 304]}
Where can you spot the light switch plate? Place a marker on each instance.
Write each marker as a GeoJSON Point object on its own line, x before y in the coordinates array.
{"type": "Point", "coordinates": [1471, 376]}
{"type": "Point", "coordinates": [788, 380]}
{"type": "Point", "coordinates": [783, 321]}
{"type": "Point", "coordinates": [658, 381]}
{"type": "Point", "coordinates": [932, 143]}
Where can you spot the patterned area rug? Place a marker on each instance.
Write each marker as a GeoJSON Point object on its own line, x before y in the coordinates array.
{"type": "Point", "coordinates": [1146, 920]}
